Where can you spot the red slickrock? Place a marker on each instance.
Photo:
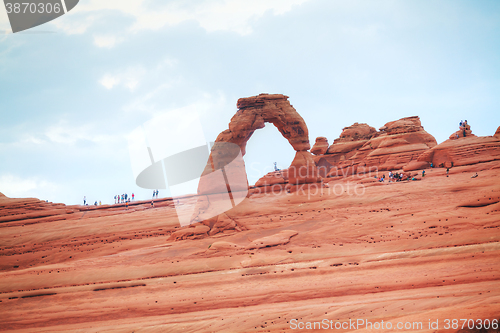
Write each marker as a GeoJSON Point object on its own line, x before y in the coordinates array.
{"type": "Point", "coordinates": [320, 146]}
{"type": "Point", "coordinates": [361, 148]}
{"type": "Point", "coordinates": [458, 152]}
{"type": "Point", "coordinates": [410, 251]}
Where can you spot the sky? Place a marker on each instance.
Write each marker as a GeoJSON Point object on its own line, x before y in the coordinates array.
{"type": "Point", "coordinates": [74, 89]}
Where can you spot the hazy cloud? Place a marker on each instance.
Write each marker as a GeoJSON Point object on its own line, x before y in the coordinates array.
{"type": "Point", "coordinates": [228, 15]}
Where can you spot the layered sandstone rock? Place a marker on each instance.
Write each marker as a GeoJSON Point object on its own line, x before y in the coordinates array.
{"type": "Point", "coordinates": [464, 151]}
{"type": "Point", "coordinates": [463, 132]}
{"type": "Point", "coordinates": [402, 252]}
{"type": "Point", "coordinates": [274, 181]}
{"type": "Point", "coordinates": [274, 177]}
{"type": "Point", "coordinates": [253, 112]}
{"type": "Point", "coordinates": [320, 146]}
{"type": "Point", "coordinates": [360, 148]}
{"type": "Point", "coordinates": [303, 169]}
{"type": "Point", "coordinates": [225, 170]}
{"type": "Point", "coordinates": [352, 138]}
{"type": "Point", "coordinates": [30, 210]}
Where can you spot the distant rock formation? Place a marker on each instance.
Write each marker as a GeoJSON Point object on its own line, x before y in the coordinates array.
{"type": "Point", "coordinates": [360, 147]}
{"type": "Point", "coordinates": [26, 211]}
{"type": "Point", "coordinates": [401, 144]}
{"type": "Point", "coordinates": [463, 131]}
{"type": "Point", "coordinates": [347, 145]}
{"type": "Point", "coordinates": [303, 169]}
{"type": "Point", "coordinates": [462, 151]}
{"type": "Point", "coordinates": [320, 146]}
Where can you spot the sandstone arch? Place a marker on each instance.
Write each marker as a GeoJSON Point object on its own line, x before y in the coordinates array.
{"type": "Point", "coordinates": [253, 112]}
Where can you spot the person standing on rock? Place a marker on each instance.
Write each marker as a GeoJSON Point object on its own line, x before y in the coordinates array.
{"type": "Point", "coordinates": [84, 200]}
{"type": "Point", "coordinates": [423, 173]}
{"type": "Point", "coordinates": [447, 171]}
{"type": "Point", "coordinates": [133, 196]}
{"type": "Point", "coordinates": [156, 194]}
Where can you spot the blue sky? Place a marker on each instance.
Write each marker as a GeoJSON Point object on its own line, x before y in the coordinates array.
{"type": "Point", "coordinates": [72, 90]}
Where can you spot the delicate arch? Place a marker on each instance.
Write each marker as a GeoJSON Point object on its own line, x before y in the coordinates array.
{"type": "Point", "coordinates": [253, 112]}
{"type": "Point", "coordinates": [225, 172]}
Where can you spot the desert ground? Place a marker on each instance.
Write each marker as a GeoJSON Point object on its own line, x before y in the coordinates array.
{"type": "Point", "coordinates": [409, 251]}
{"type": "Point", "coordinates": [334, 249]}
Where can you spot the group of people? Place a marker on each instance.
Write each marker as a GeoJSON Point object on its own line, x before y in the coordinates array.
{"type": "Point", "coordinates": [463, 127]}
{"type": "Point", "coordinates": [124, 198]}
{"type": "Point", "coordinates": [395, 177]}
{"type": "Point", "coordinates": [86, 204]}
{"type": "Point", "coordinates": [121, 198]}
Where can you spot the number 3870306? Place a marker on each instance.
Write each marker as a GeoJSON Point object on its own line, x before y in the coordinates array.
{"type": "Point", "coordinates": [471, 324]}
{"type": "Point", "coordinates": [31, 7]}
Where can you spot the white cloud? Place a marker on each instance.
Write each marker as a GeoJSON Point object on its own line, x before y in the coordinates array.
{"type": "Point", "coordinates": [106, 41]}
{"type": "Point", "coordinates": [129, 78]}
{"type": "Point", "coordinates": [75, 24]}
{"type": "Point", "coordinates": [66, 134]}
{"type": "Point", "coordinates": [16, 187]}
{"type": "Point", "coordinates": [33, 139]}
{"type": "Point", "coordinates": [229, 15]}
{"type": "Point", "coordinates": [109, 81]}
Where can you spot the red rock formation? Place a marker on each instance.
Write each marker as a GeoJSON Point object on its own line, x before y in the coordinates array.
{"type": "Point", "coordinates": [253, 113]}
{"type": "Point", "coordinates": [464, 151]}
{"type": "Point", "coordinates": [274, 177]}
{"type": "Point", "coordinates": [320, 146]}
{"type": "Point", "coordinates": [463, 131]}
{"type": "Point", "coordinates": [356, 132]}
{"type": "Point", "coordinates": [303, 169]}
{"type": "Point", "coordinates": [274, 181]}
{"type": "Point", "coordinates": [497, 133]}
{"type": "Point", "coordinates": [360, 147]}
